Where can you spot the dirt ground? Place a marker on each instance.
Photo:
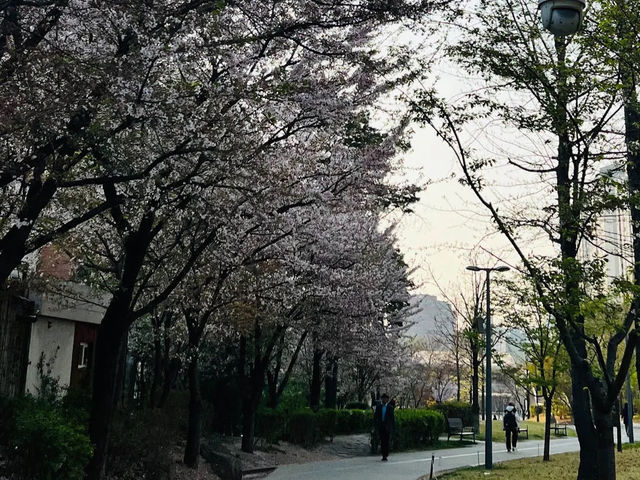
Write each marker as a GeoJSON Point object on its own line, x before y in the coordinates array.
{"type": "Point", "coordinates": [185, 473]}
{"type": "Point", "coordinates": [274, 455]}
{"type": "Point", "coordinates": [264, 456]}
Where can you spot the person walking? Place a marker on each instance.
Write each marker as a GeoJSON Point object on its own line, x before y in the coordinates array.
{"type": "Point", "coordinates": [384, 420]}
{"type": "Point", "coordinates": [510, 426]}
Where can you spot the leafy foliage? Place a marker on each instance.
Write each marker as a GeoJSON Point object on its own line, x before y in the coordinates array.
{"type": "Point", "coordinates": [416, 428]}
{"type": "Point", "coordinates": [46, 445]}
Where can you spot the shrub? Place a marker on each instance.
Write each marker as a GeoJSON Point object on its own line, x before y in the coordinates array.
{"type": "Point", "coordinates": [270, 424]}
{"type": "Point", "coordinates": [304, 428]}
{"type": "Point", "coordinates": [456, 410]}
{"type": "Point", "coordinates": [416, 428]}
{"type": "Point", "coordinates": [46, 445]}
{"type": "Point", "coordinates": [140, 438]}
{"type": "Point", "coordinates": [327, 418]}
{"type": "Point", "coordinates": [353, 421]}
{"type": "Point", "coordinates": [356, 406]}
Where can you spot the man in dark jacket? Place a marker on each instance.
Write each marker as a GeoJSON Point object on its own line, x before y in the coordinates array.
{"type": "Point", "coordinates": [510, 426]}
{"type": "Point", "coordinates": [384, 420]}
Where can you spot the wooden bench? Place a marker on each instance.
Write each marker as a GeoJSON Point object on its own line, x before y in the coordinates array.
{"type": "Point", "coordinates": [524, 430]}
{"type": "Point", "coordinates": [456, 428]}
{"type": "Point", "coordinates": [558, 428]}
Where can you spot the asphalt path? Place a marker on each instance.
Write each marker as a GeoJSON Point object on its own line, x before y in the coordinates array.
{"type": "Point", "coordinates": [412, 465]}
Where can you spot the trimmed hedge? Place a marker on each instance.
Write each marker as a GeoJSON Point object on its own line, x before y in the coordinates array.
{"type": "Point", "coordinates": [349, 422]}
{"type": "Point", "coordinates": [356, 406]}
{"type": "Point", "coordinates": [455, 410]}
{"type": "Point", "coordinates": [416, 428]}
{"type": "Point", "coordinates": [306, 427]}
{"type": "Point", "coordinates": [270, 424]}
{"type": "Point", "coordinates": [303, 428]}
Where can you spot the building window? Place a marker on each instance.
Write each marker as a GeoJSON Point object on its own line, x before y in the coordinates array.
{"type": "Point", "coordinates": [84, 355]}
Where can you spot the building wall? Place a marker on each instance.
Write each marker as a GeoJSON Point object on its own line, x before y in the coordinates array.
{"type": "Point", "coordinates": [15, 327]}
{"type": "Point", "coordinates": [83, 355]}
{"type": "Point", "coordinates": [54, 338]}
{"type": "Point", "coordinates": [431, 311]}
{"type": "Point", "coordinates": [613, 238]}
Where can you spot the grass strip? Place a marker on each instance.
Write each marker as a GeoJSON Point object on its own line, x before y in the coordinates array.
{"type": "Point", "coordinates": [561, 466]}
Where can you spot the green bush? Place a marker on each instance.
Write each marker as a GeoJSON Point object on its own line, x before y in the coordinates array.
{"type": "Point", "coordinates": [356, 406]}
{"type": "Point", "coordinates": [416, 428]}
{"type": "Point", "coordinates": [306, 427]}
{"type": "Point", "coordinates": [353, 421]}
{"type": "Point", "coordinates": [456, 410]}
{"type": "Point", "coordinates": [327, 418]}
{"type": "Point", "coordinates": [141, 439]}
{"type": "Point", "coordinates": [45, 445]}
{"type": "Point", "coordinates": [303, 428]}
{"type": "Point", "coordinates": [270, 424]}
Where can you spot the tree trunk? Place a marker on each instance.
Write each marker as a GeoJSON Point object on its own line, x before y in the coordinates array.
{"type": "Point", "coordinates": [250, 404]}
{"type": "Point", "coordinates": [113, 330]}
{"type": "Point", "coordinates": [316, 380]}
{"type": "Point", "coordinates": [617, 425]}
{"type": "Point", "coordinates": [248, 425]}
{"type": "Point", "coordinates": [482, 404]}
{"type": "Point", "coordinates": [587, 436]}
{"type": "Point", "coordinates": [132, 373]}
{"type": "Point", "coordinates": [104, 397]}
{"type": "Point", "coordinates": [143, 384]}
{"type": "Point", "coordinates": [606, 452]}
{"type": "Point", "coordinates": [331, 384]}
{"type": "Point", "coordinates": [475, 401]}
{"type": "Point", "coordinates": [272, 378]}
{"type": "Point", "coordinates": [172, 369]}
{"type": "Point", "coordinates": [192, 450]}
{"type": "Point", "coordinates": [157, 363]}
{"type": "Point", "coordinates": [458, 380]}
{"type": "Point", "coordinates": [13, 245]}
{"type": "Point", "coordinates": [547, 426]}
{"type": "Point", "coordinates": [272, 392]}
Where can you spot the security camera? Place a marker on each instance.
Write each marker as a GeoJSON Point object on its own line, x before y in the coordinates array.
{"type": "Point", "coordinates": [562, 17]}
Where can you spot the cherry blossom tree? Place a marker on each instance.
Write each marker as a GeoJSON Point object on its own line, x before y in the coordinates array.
{"type": "Point", "coordinates": [142, 135]}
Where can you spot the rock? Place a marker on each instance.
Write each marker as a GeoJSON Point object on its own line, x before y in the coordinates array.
{"type": "Point", "coordinates": [226, 466]}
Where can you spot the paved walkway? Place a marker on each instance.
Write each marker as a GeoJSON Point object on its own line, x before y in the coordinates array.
{"type": "Point", "coordinates": [410, 466]}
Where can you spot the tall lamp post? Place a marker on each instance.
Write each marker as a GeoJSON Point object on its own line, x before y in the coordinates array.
{"type": "Point", "coordinates": [488, 431]}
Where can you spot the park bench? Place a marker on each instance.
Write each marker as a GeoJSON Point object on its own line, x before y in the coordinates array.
{"type": "Point", "coordinates": [456, 428]}
{"type": "Point", "coordinates": [524, 430]}
{"type": "Point", "coordinates": [558, 428]}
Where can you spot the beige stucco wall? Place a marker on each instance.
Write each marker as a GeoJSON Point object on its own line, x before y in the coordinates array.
{"type": "Point", "coordinates": [54, 337]}
{"type": "Point", "coordinates": [73, 301]}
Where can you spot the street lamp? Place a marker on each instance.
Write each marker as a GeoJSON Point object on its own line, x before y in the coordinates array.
{"type": "Point", "coordinates": [562, 17]}
{"type": "Point", "coordinates": [488, 431]}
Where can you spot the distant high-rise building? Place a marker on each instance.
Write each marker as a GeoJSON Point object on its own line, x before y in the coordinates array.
{"type": "Point", "coordinates": [431, 312]}
{"type": "Point", "coordinates": [612, 238]}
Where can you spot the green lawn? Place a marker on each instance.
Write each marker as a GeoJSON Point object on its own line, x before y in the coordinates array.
{"type": "Point", "coordinates": [561, 466]}
{"type": "Point", "coordinates": [536, 431]}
